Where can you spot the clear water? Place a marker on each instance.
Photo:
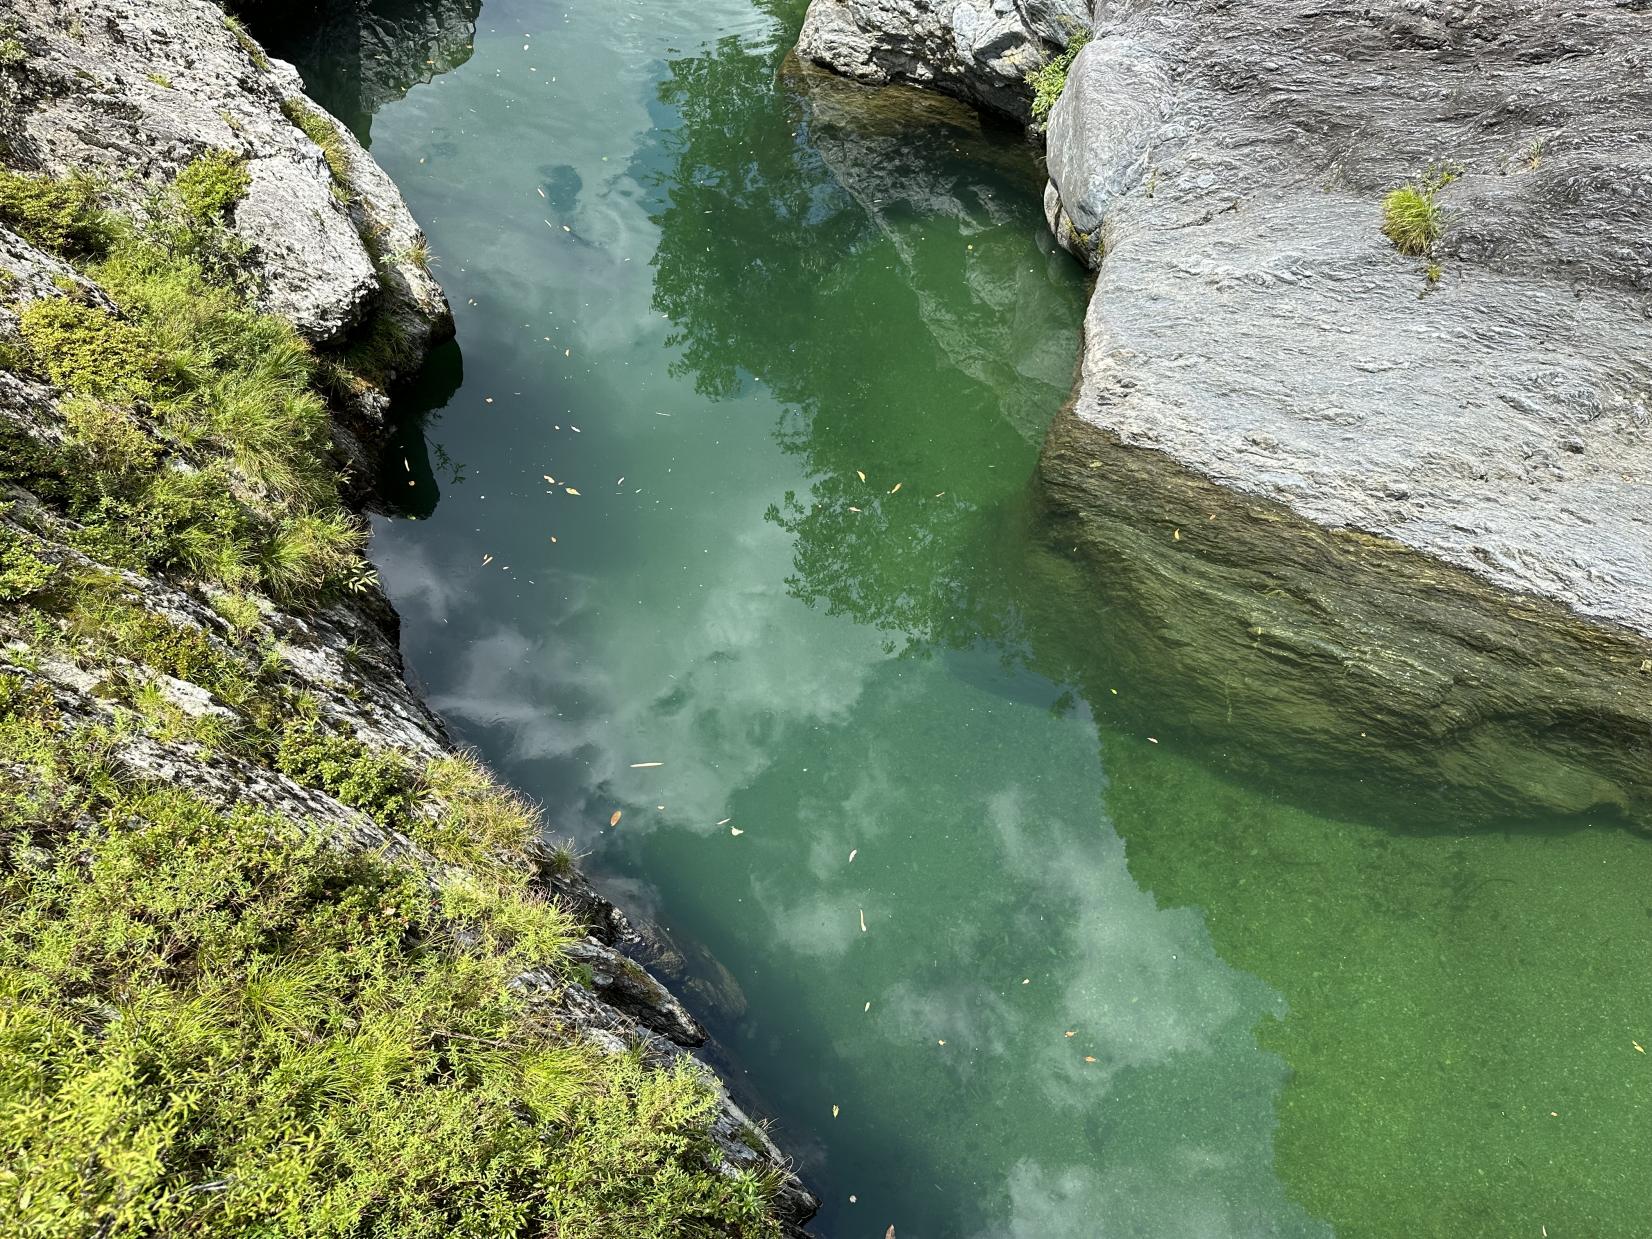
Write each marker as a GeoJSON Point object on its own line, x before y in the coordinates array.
{"type": "Point", "coordinates": [995, 966]}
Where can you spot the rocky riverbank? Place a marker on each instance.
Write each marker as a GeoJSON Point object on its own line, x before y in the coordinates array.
{"type": "Point", "coordinates": [206, 287]}
{"type": "Point", "coordinates": [1340, 500]}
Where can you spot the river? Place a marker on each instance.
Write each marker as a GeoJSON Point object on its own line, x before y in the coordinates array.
{"type": "Point", "coordinates": [772, 649]}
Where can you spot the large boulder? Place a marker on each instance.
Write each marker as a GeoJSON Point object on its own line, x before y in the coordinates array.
{"type": "Point", "coordinates": [979, 50]}
{"type": "Point", "coordinates": [133, 92]}
{"type": "Point", "coordinates": [1479, 414]}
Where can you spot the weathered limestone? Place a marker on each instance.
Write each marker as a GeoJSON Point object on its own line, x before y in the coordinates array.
{"type": "Point", "coordinates": [1477, 421]}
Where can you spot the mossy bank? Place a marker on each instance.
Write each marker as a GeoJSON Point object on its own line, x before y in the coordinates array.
{"type": "Point", "coordinates": [277, 958]}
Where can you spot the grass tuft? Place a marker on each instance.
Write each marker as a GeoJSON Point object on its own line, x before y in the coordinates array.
{"type": "Point", "coordinates": [1050, 78]}
{"type": "Point", "coordinates": [1411, 215]}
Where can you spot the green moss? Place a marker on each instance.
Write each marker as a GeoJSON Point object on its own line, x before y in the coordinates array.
{"type": "Point", "coordinates": [85, 349]}
{"type": "Point", "coordinates": [324, 133]}
{"type": "Point", "coordinates": [63, 216]}
{"type": "Point", "coordinates": [160, 79]}
{"type": "Point", "coordinates": [1050, 78]}
{"type": "Point", "coordinates": [211, 184]}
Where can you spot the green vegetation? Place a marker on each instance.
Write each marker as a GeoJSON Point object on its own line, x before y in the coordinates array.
{"type": "Point", "coordinates": [219, 1020]}
{"type": "Point", "coordinates": [61, 216]}
{"type": "Point", "coordinates": [1050, 78]}
{"type": "Point", "coordinates": [324, 133]}
{"type": "Point", "coordinates": [248, 44]}
{"type": "Point", "coordinates": [160, 79]}
{"type": "Point", "coordinates": [230, 394]}
{"type": "Point", "coordinates": [213, 183]}
{"type": "Point", "coordinates": [1411, 216]}
{"type": "Point", "coordinates": [210, 1023]}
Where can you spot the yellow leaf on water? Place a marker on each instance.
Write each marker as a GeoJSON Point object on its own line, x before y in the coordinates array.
{"type": "Point", "coordinates": [853, 852]}
{"type": "Point", "coordinates": [1639, 1048]}
{"type": "Point", "coordinates": [549, 478]}
{"type": "Point", "coordinates": [486, 560]}
{"type": "Point", "coordinates": [725, 821]}
{"type": "Point", "coordinates": [735, 831]}
{"type": "Point", "coordinates": [862, 920]}
{"type": "Point", "coordinates": [1071, 1032]}
{"type": "Point", "coordinates": [570, 490]}
{"type": "Point", "coordinates": [1089, 1058]}
{"type": "Point", "coordinates": [854, 509]}
{"type": "Point", "coordinates": [896, 487]}
{"type": "Point", "coordinates": [646, 765]}
{"type": "Point", "coordinates": [860, 475]}
{"type": "Point", "coordinates": [614, 820]}
{"type": "Point", "coordinates": [834, 1112]}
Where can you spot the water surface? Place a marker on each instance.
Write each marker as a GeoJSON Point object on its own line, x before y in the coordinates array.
{"type": "Point", "coordinates": [995, 966]}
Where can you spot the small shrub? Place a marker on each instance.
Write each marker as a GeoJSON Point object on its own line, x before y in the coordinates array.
{"type": "Point", "coordinates": [376, 782]}
{"type": "Point", "coordinates": [22, 572]}
{"type": "Point", "coordinates": [211, 184]}
{"type": "Point", "coordinates": [1050, 78]}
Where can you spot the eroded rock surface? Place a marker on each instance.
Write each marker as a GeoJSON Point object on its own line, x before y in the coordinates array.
{"type": "Point", "coordinates": [133, 90]}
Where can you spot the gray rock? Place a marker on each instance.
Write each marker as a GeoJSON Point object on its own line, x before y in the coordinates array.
{"type": "Point", "coordinates": [979, 50]}
{"type": "Point", "coordinates": [1480, 429]}
{"type": "Point", "coordinates": [133, 90]}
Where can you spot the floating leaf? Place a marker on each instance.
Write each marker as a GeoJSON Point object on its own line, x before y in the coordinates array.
{"type": "Point", "coordinates": [570, 490]}
{"type": "Point", "coordinates": [646, 765]}
{"type": "Point", "coordinates": [853, 852]}
{"type": "Point", "coordinates": [725, 821]}
{"type": "Point", "coordinates": [860, 475]}
{"type": "Point", "coordinates": [834, 1112]}
{"type": "Point", "coordinates": [486, 560]}
{"type": "Point", "coordinates": [896, 487]}
{"type": "Point", "coordinates": [614, 820]}
{"type": "Point", "coordinates": [735, 831]}
{"type": "Point", "coordinates": [862, 920]}
{"type": "Point", "coordinates": [1089, 1058]}
{"type": "Point", "coordinates": [1071, 1032]}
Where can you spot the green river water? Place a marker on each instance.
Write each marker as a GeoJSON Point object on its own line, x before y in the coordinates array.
{"type": "Point", "coordinates": [994, 965]}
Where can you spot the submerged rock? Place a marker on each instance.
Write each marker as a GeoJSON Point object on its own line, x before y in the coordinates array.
{"type": "Point", "coordinates": [1440, 460]}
